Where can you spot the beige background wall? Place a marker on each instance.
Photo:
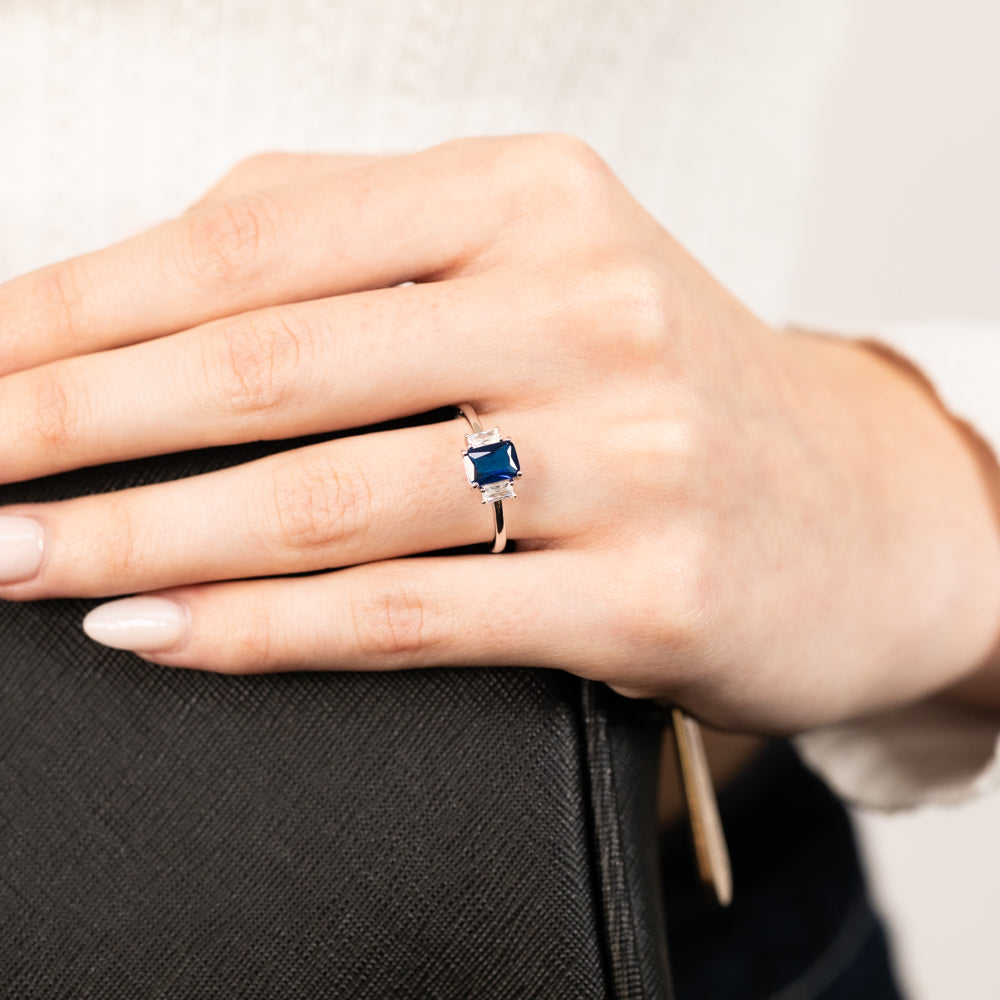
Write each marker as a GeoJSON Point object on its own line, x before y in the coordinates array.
{"type": "Point", "coordinates": [912, 154]}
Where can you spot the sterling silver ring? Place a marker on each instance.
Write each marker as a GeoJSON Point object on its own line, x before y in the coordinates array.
{"type": "Point", "coordinates": [491, 466]}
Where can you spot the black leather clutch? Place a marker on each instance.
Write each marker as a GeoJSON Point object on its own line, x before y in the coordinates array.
{"type": "Point", "coordinates": [441, 833]}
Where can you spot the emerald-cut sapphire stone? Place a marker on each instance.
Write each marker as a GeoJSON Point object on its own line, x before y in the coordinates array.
{"type": "Point", "coordinates": [491, 463]}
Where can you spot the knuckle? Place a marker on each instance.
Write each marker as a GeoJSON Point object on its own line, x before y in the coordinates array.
{"type": "Point", "coordinates": [251, 365]}
{"type": "Point", "coordinates": [250, 646]}
{"type": "Point", "coordinates": [659, 460]}
{"type": "Point", "coordinates": [119, 547]}
{"type": "Point", "coordinates": [226, 242]}
{"type": "Point", "coordinates": [692, 603]}
{"type": "Point", "coordinates": [56, 421]}
{"type": "Point", "coordinates": [393, 621]}
{"type": "Point", "coordinates": [528, 174]}
{"type": "Point", "coordinates": [623, 312]}
{"type": "Point", "coordinates": [572, 171]}
{"type": "Point", "coordinates": [568, 150]}
{"type": "Point", "coordinates": [637, 295]}
{"type": "Point", "coordinates": [672, 606]}
{"type": "Point", "coordinates": [319, 505]}
{"type": "Point", "coordinates": [60, 299]}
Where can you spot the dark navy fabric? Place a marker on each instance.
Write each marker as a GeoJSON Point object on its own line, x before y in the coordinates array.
{"type": "Point", "coordinates": [801, 925]}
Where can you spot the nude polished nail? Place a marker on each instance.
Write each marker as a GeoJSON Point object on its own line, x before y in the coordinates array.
{"type": "Point", "coordinates": [140, 624]}
{"type": "Point", "coordinates": [21, 544]}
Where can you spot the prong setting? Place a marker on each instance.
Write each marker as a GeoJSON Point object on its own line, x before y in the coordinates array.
{"type": "Point", "coordinates": [491, 466]}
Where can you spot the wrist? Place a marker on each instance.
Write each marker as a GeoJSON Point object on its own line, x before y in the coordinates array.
{"type": "Point", "coordinates": [934, 493]}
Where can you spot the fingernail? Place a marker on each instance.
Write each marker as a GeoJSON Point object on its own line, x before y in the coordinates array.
{"type": "Point", "coordinates": [141, 624]}
{"type": "Point", "coordinates": [20, 548]}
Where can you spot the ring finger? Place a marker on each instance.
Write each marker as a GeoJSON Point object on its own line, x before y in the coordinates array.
{"type": "Point", "coordinates": [354, 500]}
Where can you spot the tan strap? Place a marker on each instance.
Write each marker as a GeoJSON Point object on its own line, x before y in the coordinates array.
{"type": "Point", "coordinates": [711, 852]}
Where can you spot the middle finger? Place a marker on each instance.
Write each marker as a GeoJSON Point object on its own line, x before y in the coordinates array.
{"type": "Point", "coordinates": [278, 373]}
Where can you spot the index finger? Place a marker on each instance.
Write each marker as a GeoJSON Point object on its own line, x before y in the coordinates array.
{"type": "Point", "coordinates": [378, 224]}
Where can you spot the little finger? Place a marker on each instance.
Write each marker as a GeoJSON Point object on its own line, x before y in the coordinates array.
{"type": "Point", "coordinates": [531, 609]}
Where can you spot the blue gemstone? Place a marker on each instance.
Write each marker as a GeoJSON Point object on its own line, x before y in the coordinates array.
{"type": "Point", "coordinates": [491, 463]}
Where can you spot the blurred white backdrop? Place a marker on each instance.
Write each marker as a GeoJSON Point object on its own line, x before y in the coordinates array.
{"type": "Point", "coordinates": [911, 157]}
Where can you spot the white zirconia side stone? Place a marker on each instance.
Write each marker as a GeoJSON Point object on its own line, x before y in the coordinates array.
{"type": "Point", "coordinates": [492, 436]}
{"type": "Point", "coordinates": [498, 491]}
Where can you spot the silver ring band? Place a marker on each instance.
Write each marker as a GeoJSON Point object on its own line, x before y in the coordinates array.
{"type": "Point", "coordinates": [491, 465]}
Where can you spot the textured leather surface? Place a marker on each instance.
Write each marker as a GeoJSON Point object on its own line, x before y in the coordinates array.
{"type": "Point", "coordinates": [444, 833]}
{"type": "Point", "coordinates": [623, 748]}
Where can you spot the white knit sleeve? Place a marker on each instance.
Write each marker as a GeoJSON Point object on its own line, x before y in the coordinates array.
{"type": "Point", "coordinates": [931, 752]}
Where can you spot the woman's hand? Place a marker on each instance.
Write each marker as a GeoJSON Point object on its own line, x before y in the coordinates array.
{"type": "Point", "coordinates": [775, 531]}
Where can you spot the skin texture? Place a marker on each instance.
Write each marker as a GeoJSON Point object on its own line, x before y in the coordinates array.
{"type": "Point", "coordinates": [774, 530]}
